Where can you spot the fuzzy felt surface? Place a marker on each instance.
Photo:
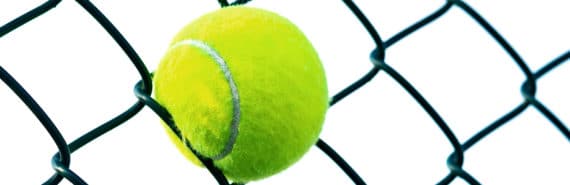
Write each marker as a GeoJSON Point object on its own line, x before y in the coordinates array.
{"type": "Point", "coordinates": [280, 81]}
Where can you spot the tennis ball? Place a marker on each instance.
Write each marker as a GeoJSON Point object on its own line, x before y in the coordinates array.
{"type": "Point", "coordinates": [246, 88]}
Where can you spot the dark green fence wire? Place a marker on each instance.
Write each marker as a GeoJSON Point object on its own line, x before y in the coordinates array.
{"type": "Point", "coordinates": [61, 160]}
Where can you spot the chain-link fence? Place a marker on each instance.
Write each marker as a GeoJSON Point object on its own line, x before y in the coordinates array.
{"type": "Point", "coordinates": [61, 160]}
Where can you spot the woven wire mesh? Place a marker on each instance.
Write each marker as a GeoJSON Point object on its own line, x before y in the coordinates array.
{"type": "Point", "coordinates": [62, 159]}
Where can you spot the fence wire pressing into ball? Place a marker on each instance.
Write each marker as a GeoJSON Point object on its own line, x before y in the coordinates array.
{"type": "Point", "coordinates": [61, 160]}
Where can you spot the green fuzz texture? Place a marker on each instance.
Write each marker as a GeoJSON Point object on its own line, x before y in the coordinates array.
{"type": "Point", "coordinates": [280, 81]}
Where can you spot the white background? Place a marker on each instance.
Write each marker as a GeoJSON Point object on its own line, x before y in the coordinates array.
{"type": "Point", "coordinates": [82, 78]}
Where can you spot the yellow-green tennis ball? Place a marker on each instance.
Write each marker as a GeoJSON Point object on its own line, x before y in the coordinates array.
{"type": "Point", "coordinates": [246, 88]}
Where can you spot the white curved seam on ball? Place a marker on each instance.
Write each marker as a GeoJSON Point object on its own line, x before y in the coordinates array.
{"type": "Point", "coordinates": [234, 92]}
